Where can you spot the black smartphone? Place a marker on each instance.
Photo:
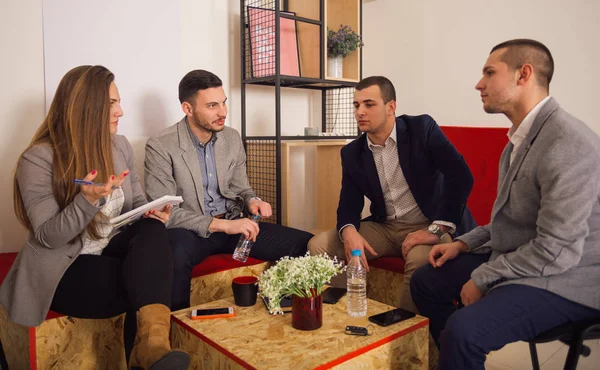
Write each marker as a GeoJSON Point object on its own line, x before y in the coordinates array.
{"type": "Point", "coordinates": [391, 317]}
{"type": "Point", "coordinates": [331, 295]}
{"type": "Point", "coordinates": [285, 303]}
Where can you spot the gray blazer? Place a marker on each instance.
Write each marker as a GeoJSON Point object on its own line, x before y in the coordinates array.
{"type": "Point", "coordinates": [545, 226]}
{"type": "Point", "coordinates": [172, 168]}
{"type": "Point", "coordinates": [29, 287]}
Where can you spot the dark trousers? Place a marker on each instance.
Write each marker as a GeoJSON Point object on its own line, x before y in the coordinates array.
{"type": "Point", "coordinates": [273, 242]}
{"type": "Point", "coordinates": [506, 314]}
{"type": "Point", "coordinates": [134, 270]}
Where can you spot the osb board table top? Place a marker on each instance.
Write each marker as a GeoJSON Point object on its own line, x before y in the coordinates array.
{"type": "Point", "coordinates": [257, 339]}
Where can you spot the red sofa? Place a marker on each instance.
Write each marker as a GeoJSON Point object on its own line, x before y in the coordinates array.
{"type": "Point", "coordinates": [481, 147]}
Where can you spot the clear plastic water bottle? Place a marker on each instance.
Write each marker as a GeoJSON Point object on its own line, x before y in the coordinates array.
{"type": "Point", "coordinates": [243, 247]}
{"type": "Point", "coordinates": [356, 303]}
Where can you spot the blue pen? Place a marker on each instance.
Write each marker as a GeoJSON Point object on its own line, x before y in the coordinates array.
{"type": "Point", "coordinates": [83, 182]}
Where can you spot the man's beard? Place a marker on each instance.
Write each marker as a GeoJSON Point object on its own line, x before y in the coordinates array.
{"type": "Point", "coordinates": [206, 126]}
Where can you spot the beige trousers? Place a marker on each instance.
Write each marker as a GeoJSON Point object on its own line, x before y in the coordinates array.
{"type": "Point", "coordinates": [386, 239]}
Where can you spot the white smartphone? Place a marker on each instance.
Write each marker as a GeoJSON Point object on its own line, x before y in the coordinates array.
{"type": "Point", "coordinates": [212, 313]}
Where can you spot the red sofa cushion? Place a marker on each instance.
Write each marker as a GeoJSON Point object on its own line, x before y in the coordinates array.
{"type": "Point", "coordinates": [212, 264]}
{"type": "Point", "coordinates": [481, 147]}
{"type": "Point", "coordinates": [394, 264]}
{"type": "Point", "coordinates": [6, 261]}
{"type": "Point", "coordinates": [220, 262]}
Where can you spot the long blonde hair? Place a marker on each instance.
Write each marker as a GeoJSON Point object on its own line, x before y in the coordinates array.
{"type": "Point", "coordinates": [77, 129]}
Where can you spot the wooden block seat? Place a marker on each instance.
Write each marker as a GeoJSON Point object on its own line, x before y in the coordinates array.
{"type": "Point", "coordinates": [65, 342]}
{"type": "Point", "coordinates": [385, 280]}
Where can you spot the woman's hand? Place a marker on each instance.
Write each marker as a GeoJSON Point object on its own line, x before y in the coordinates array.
{"type": "Point", "coordinates": [93, 193]}
{"type": "Point", "coordinates": [160, 215]}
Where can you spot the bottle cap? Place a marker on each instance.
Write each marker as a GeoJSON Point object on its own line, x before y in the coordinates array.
{"type": "Point", "coordinates": [356, 252]}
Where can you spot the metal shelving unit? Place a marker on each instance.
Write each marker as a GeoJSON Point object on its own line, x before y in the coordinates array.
{"type": "Point", "coordinates": [311, 17]}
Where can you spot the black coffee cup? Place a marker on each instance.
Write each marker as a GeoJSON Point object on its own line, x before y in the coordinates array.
{"type": "Point", "coordinates": [245, 290]}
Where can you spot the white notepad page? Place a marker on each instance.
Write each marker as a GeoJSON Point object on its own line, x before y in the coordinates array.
{"type": "Point", "coordinates": [134, 214]}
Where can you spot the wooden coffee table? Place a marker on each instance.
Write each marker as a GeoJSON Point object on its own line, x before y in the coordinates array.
{"type": "Point", "coordinates": [253, 339]}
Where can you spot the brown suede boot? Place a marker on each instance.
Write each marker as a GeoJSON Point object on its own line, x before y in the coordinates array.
{"type": "Point", "coordinates": [152, 349]}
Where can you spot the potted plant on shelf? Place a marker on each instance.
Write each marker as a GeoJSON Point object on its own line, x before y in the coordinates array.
{"type": "Point", "coordinates": [340, 44]}
{"type": "Point", "coordinates": [303, 279]}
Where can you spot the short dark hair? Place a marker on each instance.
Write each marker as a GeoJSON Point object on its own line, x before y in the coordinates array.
{"type": "Point", "coordinates": [388, 92]}
{"type": "Point", "coordinates": [522, 51]}
{"type": "Point", "coordinates": [195, 80]}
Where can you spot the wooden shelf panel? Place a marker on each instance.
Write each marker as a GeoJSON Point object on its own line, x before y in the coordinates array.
{"type": "Point", "coordinates": [312, 47]}
{"type": "Point", "coordinates": [302, 82]}
{"type": "Point", "coordinates": [346, 12]}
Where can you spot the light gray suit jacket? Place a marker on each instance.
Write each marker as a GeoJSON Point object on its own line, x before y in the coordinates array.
{"type": "Point", "coordinates": [545, 226]}
{"type": "Point", "coordinates": [29, 287]}
{"type": "Point", "coordinates": [172, 168]}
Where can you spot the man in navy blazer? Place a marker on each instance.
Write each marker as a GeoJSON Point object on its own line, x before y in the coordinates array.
{"type": "Point", "coordinates": [417, 182]}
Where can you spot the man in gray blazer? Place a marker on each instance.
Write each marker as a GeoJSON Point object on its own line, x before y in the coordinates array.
{"type": "Point", "coordinates": [536, 265]}
{"type": "Point", "coordinates": [204, 161]}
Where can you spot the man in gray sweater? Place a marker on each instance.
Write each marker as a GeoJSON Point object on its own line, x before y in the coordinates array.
{"type": "Point", "coordinates": [536, 265]}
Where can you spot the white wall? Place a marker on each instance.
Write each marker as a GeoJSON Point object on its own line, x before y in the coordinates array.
{"type": "Point", "coordinates": [138, 40]}
{"type": "Point", "coordinates": [21, 100]}
{"type": "Point", "coordinates": [433, 51]}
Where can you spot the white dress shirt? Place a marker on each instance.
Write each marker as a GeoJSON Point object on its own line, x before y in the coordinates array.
{"type": "Point", "coordinates": [517, 136]}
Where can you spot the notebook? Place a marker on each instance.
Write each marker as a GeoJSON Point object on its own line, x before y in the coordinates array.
{"type": "Point", "coordinates": [134, 214]}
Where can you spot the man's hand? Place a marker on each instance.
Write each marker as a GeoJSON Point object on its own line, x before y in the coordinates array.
{"type": "Point", "coordinates": [470, 293]}
{"type": "Point", "coordinates": [441, 253]}
{"type": "Point", "coordinates": [256, 207]}
{"type": "Point", "coordinates": [416, 238]}
{"type": "Point", "coordinates": [243, 226]}
{"type": "Point", "coordinates": [353, 240]}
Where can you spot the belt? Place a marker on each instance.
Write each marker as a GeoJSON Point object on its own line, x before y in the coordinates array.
{"type": "Point", "coordinates": [222, 215]}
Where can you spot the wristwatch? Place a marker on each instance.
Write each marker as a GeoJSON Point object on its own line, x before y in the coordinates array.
{"type": "Point", "coordinates": [435, 230]}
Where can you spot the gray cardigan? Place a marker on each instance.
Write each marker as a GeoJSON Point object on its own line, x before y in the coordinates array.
{"type": "Point", "coordinates": [172, 168]}
{"type": "Point", "coordinates": [545, 227]}
{"type": "Point", "coordinates": [29, 287]}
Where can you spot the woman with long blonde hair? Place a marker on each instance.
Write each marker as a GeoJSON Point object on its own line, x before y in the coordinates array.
{"type": "Point", "coordinates": [74, 262]}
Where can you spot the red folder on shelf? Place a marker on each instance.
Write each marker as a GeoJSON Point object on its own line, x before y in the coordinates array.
{"type": "Point", "coordinates": [261, 23]}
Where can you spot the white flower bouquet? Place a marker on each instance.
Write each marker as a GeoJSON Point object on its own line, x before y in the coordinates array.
{"type": "Point", "coordinates": [300, 276]}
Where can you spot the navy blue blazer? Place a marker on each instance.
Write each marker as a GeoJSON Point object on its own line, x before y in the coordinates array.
{"type": "Point", "coordinates": [436, 172]}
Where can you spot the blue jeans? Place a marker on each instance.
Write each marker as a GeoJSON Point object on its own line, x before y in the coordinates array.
{"type": "Point", "coordinates": [506, 314]}
{"type": "Point", "coordinates": [188, 249]}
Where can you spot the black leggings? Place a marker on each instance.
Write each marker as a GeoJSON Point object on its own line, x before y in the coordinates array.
{"type": "Point", "coordinates": [134, 270]}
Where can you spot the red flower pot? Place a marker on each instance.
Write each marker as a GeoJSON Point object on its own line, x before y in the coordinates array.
{"type": "Point", "coordinates": [307, 313]}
